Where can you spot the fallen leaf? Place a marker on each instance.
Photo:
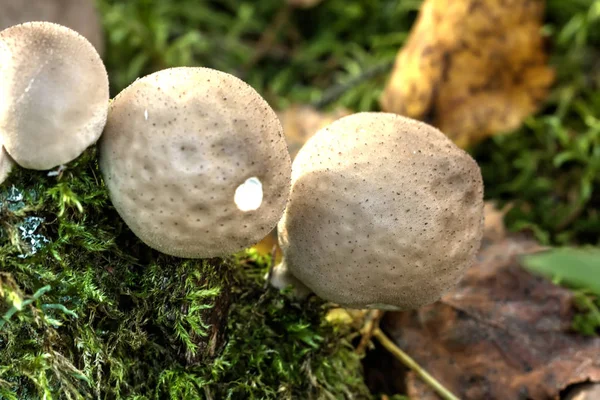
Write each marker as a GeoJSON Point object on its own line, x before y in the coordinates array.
{"type": "Point", "coordinates": [473, 68]}
{"type": "Point", "coordinates": [503, 333]}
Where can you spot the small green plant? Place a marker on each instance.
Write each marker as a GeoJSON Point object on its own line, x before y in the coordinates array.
{"type": "Point", "coordinates": [267, 44]}
{"type": "Point", "coordinates": [578, 269]}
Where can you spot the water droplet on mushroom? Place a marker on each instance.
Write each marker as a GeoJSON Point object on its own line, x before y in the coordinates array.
{"type": "Point", "coordinates": [249, 195]}
{"type": "Point", "coordinates": [146, 115]}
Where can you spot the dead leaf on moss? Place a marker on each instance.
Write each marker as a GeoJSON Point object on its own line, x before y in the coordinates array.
{"type": "Point", "coordinates": [501, 334]}
{"type": "Point", "coordinates": [473, 68]}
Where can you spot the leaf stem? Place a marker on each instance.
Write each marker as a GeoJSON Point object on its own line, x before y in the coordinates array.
{"type": "Point", "coordinates": [412, 364]}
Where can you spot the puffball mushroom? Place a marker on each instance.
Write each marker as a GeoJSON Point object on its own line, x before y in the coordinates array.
{"type": "Point", "coordinates": [54, 91]}
{"type": "Point", "coordinates": [79, 15]}
{"type": "Point", "coordinates": [384, 212]}
{"type": "Point", "coordinates": [195, 162]}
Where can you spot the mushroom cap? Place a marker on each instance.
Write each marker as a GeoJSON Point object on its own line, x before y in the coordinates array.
{"type": "Point", "coordinates": [384, 212]}
{"type": "Point", "coordinates": [177, 146]}
{"type": "Point", "coordinates": [79, 15]}
{"type": "Point", "coordinates": [55, 91]}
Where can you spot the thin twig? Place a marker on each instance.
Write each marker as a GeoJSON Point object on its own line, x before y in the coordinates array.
{"type": "Point", "coordinates": [369, 327]}
{"type": "Point", "coordinates": [412, 364]}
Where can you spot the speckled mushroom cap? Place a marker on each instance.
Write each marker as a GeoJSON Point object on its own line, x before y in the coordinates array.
{"type": "Point", "coordinates": [384, 212]}
{"type": "Point", "coordinates": [55, 95]}
{"type": "Point", "coordinates": [177, 145]}
{"type": "Point", "coordinates": [79, 15]}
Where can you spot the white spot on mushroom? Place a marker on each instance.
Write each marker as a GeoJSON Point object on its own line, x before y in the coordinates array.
{"type": "Point", "coordinates": [146, 114]}
{"type": "Point", "coordinates": [249, 195]}
{"type": "Point", "coordinates": [185, 181]}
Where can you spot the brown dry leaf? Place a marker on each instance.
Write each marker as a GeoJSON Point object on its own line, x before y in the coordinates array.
{"type": "Point", "coordinates": [472, 68]}
{"type": "Point", "coordinates": [299, 124]}
{"type": "Point", "coordinates": [501, 334]}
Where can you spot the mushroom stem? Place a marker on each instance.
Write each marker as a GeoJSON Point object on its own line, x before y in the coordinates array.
{"type": "Point", "coordinates": [412, 364]}
{"type": "Point", "coordinates": [281, 277]}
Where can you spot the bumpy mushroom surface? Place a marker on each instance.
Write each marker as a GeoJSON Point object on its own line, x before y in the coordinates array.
{"type": "Point", "coordinates": [177, 146]}
{"type": "Point", "coordinates": [384, 212]}
{"type": "Point", "coordinates": [79, 15]}
{"type": "Point", "coordinates": [55, 95]}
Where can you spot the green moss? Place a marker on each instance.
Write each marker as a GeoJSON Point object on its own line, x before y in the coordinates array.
{"type": "Point", "coordinates": [90, 312]}
{"type": "Point", "coordinates": [549, 169]}
{"type": "Point", "coordinates": [289, 55]}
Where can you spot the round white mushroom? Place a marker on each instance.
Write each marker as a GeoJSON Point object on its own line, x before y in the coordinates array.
{"type": "Point", "coordinates": [79, 15]}
{"type": "Point", "coordinates": [55, 94]}
{"type": "Point", "coordinates": [384, 212]}
{"type": "Point", "coordinates": [195, 162]}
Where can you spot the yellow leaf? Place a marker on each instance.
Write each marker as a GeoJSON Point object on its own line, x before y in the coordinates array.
{"type": "Point", "coordinates": [473, 68]}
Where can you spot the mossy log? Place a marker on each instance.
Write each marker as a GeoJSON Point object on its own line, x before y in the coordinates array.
{"type": "Point", "coordinates": [88, 311]}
